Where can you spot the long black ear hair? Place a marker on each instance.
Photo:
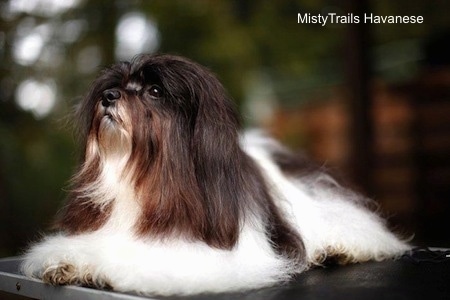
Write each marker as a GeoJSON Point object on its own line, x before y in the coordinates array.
{"type": "Point", "coordinates": [195, 186]}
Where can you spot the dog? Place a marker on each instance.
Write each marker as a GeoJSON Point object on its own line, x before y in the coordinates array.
{"type": "Point", "coordinates": [171, 198]}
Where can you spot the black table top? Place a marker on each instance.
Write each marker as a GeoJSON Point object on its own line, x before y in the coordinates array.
{"type": "Point", "coordinates": [423, 276]}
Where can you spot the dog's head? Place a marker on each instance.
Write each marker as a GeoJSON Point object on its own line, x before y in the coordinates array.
{"type": "Point", "coordinates": [157, 106]}
{"type": "Point", "coordinates": [169, 124]}
{"type": "Point", "coordinates": [163, 127]}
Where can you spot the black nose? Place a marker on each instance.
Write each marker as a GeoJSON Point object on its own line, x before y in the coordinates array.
{"type": "Point", "coordinates": [110, 96]}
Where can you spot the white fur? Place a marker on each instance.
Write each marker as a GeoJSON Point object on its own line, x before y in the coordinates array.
{"type": "Point", "coordinates": [162, 267]}
{"type": "Point", "coordinates": [114, 152]}
{"type": "Point", "coordinates": [327, 217]}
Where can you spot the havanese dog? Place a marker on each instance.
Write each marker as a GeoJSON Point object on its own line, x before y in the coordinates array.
{"type": "Point", "coordinates": [171, 198]}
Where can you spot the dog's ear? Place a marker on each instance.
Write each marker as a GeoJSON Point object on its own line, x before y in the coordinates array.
{"type": "Point", "coordinates": [219, 162]}
{"type": "Point", "coordinates": [192, 186]}
{"type": "Point", "coordinates": [195, 174]}
{"type": "Point", "coordinates": [234, 190]}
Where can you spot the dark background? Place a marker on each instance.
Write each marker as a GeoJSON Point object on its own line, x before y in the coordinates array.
{"type": "Point", "coordinates": [369, 101]}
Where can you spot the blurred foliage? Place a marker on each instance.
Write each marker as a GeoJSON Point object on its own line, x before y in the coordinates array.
{"type": "Point", "coordinates": [234, 38]}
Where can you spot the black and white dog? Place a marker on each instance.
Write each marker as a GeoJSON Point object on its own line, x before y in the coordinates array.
{"type": "Point", "coordinates": [170, 199]}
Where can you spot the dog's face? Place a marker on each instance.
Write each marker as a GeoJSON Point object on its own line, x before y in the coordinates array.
{"type": "Point", "coordinates": [154, 104]}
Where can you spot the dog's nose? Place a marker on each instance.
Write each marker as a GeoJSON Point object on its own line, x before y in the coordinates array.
{"type": "Point", "coordinates": [110, 96]}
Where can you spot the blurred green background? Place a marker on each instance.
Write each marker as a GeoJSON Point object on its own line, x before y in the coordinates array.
{"type": "Point", "coordinates": [371, 101]}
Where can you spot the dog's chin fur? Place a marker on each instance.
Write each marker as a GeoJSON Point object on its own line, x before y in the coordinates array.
{"type": "Point", "coordinates": [169, 199]}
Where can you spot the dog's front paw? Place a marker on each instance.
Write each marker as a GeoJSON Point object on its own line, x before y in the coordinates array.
{"type": "Point", "coordinates": [68, 274]}
{"type": "Point", "coordinates": [61, 274]}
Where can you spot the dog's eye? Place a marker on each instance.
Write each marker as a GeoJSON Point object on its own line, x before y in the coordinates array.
{"type": "Point", "coordinates": [155, 91]}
